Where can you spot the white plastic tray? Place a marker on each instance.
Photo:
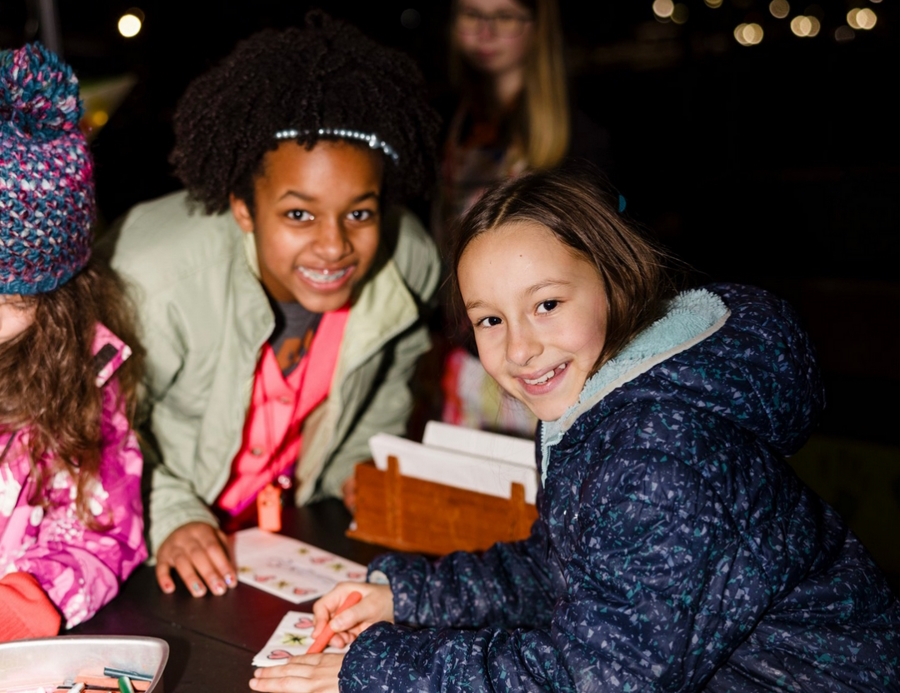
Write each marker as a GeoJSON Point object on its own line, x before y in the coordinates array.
{"type": "Point", "coordinates": [27, 664]}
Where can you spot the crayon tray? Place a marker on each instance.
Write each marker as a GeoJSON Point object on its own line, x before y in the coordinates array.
{"type": "Point", "coordinates": [410, 514]}
{"type": "Point", "coordinates": [27, 665]}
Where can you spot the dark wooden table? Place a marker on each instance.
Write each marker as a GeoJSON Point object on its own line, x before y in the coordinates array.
{"type": "Point", "coordinates": [213, 640]}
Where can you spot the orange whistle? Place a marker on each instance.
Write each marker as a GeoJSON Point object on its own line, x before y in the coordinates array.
{"type": "Point", "coordinates": [319, 643]}
{"type": "Point", "coordinates": [268, 508]}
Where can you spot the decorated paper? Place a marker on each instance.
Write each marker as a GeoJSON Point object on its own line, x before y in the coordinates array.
{"type": "Point", "coordinates": [292, 637]}
{"type": "Point", "coordinates": [288, 568]}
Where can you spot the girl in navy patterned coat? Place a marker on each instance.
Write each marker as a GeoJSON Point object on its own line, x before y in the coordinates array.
{"type": "Point", "coordinates": [675, 550]}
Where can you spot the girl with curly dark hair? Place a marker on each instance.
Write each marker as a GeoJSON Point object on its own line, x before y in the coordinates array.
{"type": "Point", "coordinates": [281, 293]}
{"type": "Point", "coordinates": [70, 467]}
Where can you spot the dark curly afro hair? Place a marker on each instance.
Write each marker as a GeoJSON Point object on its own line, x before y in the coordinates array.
{"type": "Point", "coordinates": [324, 75]}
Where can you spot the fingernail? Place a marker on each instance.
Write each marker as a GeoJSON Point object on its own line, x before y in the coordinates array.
{"type": "Point", "coordinates": [229, 580]}
{"type": "Point", "coordinates": [197, 588]}
{"type": "Point", "coordinates": [219, 588]}
{"type": "Point", "coordinates": [168, 588]}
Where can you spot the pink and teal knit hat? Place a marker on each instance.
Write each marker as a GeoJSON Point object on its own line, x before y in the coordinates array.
{"type": "Point", "coordinates": [46, 182]}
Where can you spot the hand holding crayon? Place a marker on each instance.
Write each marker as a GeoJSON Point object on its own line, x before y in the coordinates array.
{"type": "Point", "coordinates": [376, 604]}
{"type": "Point", "coordinates": [320, 642]}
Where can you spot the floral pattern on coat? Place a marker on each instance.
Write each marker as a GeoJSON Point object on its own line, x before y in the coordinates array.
{"type": "Point", "coordinates": [674, 550]}
{"type": "Point", "coordinates": [79, 568]}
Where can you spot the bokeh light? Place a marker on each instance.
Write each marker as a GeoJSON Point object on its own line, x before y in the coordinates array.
{"type": "Point", "coordinates": [748, 34]}
{"type": "Point", "coordinates": [779, 8]}
{"type": "Point", "coordinates": [862, 18]}
{"type": "Point", "coordinates": [410, 18]}
{"type": "Point", "coordinates": [129, 25]}
{"type": "Point", "coordinates": [816, 25]}
{"type": "Point", "coordinates": [866, 18]}
{"type": "Point", "coordinates": [844, 33]}
{"type": "Point", "coordinates": [801, 25]}
{"type": "Point", "coordinates": [663, 8]}
{"type": "Point", "coordinates": [713, 3]}
{"type": "Point", "coordinates": [99, 118]}
{"type": "Point", "coordinates": [680, 13]}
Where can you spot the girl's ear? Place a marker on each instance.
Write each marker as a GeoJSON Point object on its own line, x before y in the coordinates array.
{"type": "Point", "coordinates": [241, 213]}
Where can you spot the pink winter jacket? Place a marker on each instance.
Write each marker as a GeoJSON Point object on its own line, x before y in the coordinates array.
{"type": "Point", "coordinates": [80, 569]}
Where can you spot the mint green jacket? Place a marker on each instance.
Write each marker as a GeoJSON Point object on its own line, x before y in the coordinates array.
{"type": "Point", "coordinates": [204, 317]}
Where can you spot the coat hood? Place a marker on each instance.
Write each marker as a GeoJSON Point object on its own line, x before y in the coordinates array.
{"type": "Point", "coordinates": [733, 350]}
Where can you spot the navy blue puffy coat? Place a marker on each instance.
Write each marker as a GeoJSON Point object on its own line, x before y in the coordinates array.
{"type": "Point", "coordinates": [675, 550]}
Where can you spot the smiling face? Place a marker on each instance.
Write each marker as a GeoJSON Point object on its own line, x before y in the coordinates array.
{"type": "Point", "coordinates": [16, 316]}
{"type": "Point", "coordinates": [539, 314]}
{"type": "Point", "coordinates": [316, 221]}
{"type": "Point", "coordinates": [486, 48]}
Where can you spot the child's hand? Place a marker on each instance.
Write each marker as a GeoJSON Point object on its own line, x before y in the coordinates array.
{"type": "Point", "coordinates": [349, 491]}
{"type": "Point", "coordinates": [191, 549]}
{"type": "Point", "coordinates": [377, 605]}
{"type": "Point", "coordinates": [302, 674]}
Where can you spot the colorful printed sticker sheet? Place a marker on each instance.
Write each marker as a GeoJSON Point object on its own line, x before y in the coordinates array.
{"type": "Point", "coordinates": [289, 568]}
{"type": "Point", "coordinates": [292, 637]}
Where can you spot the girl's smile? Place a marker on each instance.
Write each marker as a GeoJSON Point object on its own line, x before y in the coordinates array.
{"type": "Point", "coordinates": [546, 378]}
{"type": "Point", "coordinates": [539, 314]}
{"type": "Point", "coordinates": [316, 221]}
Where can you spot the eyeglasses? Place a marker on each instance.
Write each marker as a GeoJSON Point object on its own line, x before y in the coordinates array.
{"type": "Point", "coordinates": [501, 24]}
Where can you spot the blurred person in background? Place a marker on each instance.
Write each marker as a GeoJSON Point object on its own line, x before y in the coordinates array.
{"type": "Point", "coordinates": [511, 113]}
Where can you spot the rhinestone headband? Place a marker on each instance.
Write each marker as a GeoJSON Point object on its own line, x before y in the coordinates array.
{"type": "Point", "coordinates": [373, 141]}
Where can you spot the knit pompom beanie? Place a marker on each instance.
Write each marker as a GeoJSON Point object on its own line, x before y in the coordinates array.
{"type": "Point", "coordinates": [46, 182]}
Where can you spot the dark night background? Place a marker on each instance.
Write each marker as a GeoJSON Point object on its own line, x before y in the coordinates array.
{"type": "Point", "coordinates": [775, 164]}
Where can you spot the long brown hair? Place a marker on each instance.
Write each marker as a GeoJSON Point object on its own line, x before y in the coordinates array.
{"type": "Point", "coordinates": [581, 210]}
{"type": "Point", "coordinates": [48, 377]}
{"type": "Point", "coordinates": [545, 128]}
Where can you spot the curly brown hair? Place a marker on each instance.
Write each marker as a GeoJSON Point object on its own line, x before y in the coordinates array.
{"type": "Point", "coordinates": [327, 74]}
{"type": "Point", "coordinates": [48, 377]}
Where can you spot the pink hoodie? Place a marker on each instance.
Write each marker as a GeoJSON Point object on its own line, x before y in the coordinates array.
{"type": "Point", "coordinates": [80, 569]}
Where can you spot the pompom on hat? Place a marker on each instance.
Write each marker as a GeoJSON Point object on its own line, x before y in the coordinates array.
{"type": "Point", "coordinates": [46, 181]}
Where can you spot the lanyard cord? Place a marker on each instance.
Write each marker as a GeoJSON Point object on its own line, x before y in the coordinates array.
{"type": "Point", "coordinates": [267, 413]}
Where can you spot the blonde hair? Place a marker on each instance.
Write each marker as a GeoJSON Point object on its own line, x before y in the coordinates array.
{"type": "Point", "coordinates": [545, 118]}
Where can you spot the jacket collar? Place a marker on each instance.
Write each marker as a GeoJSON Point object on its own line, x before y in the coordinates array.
{"type": "Point", "coordinates": [690, 318]}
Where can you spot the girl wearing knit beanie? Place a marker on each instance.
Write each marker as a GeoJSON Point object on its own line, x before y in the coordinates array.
{"type": "Point", "coordinates": [70, 508]}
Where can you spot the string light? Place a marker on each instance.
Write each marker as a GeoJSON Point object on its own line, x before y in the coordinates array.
{"type": "Point", "coordinates": [815, 25]}
{"type": "Point", "coordinates": [130, 22]}
{"type": "Point", "coordinates": [680, 13]}
{"type": "Point", "coordinates": [866, 18]}
{"type": "Point", "coordinates": [779, 8]}
{"type": "Point", "coordinates": [844, 33]}
{"type": "Point", "coordinates": [129, 25]}
{"type": "Point", "coordinates": [663, 8]}
{"type": "Point", "coordinates": [805, 26]}
{"type": "Point", "coordinates": [748, 34]}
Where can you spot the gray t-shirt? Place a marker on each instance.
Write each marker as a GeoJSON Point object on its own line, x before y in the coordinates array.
{"type": "Point", "coordinates": [294, 330]}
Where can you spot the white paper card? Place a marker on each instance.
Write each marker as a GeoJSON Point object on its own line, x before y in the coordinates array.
{"type": "Point", "coordinates": [472, 441]}
{"type": "Point", "coordinates": [461, 469]}
{"type": "Point", "coordinates": [289, 568]}
{"type": "Point", "coordinates": [292, 637]}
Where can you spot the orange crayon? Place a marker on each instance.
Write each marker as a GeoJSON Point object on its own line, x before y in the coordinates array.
{"type": "Point", "coordinates": [320, 642]}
